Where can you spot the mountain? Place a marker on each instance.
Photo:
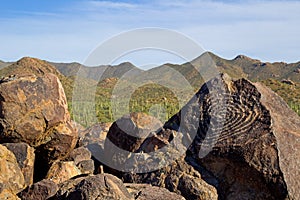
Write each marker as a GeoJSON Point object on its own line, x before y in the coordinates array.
{"type": "Point", "coordinates": [163, 86]}
{"type": "Point", "coordinates": [4, 64]}
{"type": "Point", "coordinates": [106, 71]}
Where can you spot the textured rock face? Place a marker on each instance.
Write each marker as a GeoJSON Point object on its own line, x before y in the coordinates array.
{"type": "Point", "coordinates": [242, 142]}
{"type": "Point", "coordinates": [33, 110]}
{"type": "Point", "coordinates": [286, 132]}
{"type": "Point", "coordinates": [25, 157]}
{"type": "Point", "coordinates": [30, 108]}
{"type": "Point", "coordinates": [98, 187]}
{"type": "Point", "coordinates": [148, 192]}
{"type": "Point", "coordinates": [11, 177]}
{"type": "Point", "coordinates": [39, 191]}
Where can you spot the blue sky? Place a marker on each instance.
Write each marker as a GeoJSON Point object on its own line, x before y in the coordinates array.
{"type": "Point", "coordinates": [69, 30]}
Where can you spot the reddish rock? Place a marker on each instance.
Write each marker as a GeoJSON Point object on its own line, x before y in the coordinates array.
{"type": "Point", "coordinates": [31, 107]}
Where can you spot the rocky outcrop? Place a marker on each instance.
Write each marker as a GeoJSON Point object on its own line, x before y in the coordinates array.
{"type": "Point", "coordinates": [243, 138]}
{"type": "Point", "coordinates": [11, 177]}
{"type": "Point", "coordinates": [178, 177]}
{"type": "Point", "coordinates": [39, 191]}
{"type": "Point", "coordinates": [285, 127]}
{"type": "Point", "coordinates": [94, 187]}
{"type": "Point", "coordinates": [34, 111]}
{"type": "Point", "coordinates": [25, 157]}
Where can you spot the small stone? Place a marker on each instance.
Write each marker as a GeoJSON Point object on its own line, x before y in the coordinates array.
{"type": "Point", "coordinates": [62, 171]}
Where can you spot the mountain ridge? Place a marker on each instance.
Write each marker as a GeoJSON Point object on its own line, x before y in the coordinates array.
{"type": "Point", "coordinates": [283, 78]}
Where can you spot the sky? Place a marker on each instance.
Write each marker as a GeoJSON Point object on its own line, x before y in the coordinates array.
{"type": "Point", "coordinates": [69, 30]}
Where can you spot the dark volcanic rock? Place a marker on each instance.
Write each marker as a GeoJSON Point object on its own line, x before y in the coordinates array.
{"type": "Point", "coordinates": [94, 187]}
{"type": "Point", "coordinates": [129, 132]}
{"type": "Point", "coordinates": [243, 139]}
{"type": "Point", "coordinates": [82, 159]}
{"type": "Point", "coordinates": [39, 191]}
{"type": "Point", "coordinates": [178, 177]}
{"type": "Point", "coordinates": [148, 192]}
{"type": "Point", "coordinates": [25, 157]}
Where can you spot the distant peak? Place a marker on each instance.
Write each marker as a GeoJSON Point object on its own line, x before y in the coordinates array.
{"type": "Point", "coordinates": [28, 60]}
{"type": "Point", "coordinates": [243, 57]}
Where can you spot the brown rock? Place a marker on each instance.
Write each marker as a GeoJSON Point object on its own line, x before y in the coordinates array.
{"type": "Point", "coordinates": [86, 166]}
{"type": "Point", "coordinates": [63, 140]}
{"type": "Point", "coordinates": [243, 139]}
{"type": "Point", "coordinates": [31, 107]}
{"type": "Point", "coordinates": [82, 159]}
{"type": "Point", "coordinates": [94, 134]}
{"type": "Point", "coordinates": [11, 177]}
{"type": "Point", "coordinates": [94, 187]}
{"type": "Point", "coordinates": [62, 171]}
{"type": "Point", "coordinates": [178, 177]}
{"type": "Point", "coordinates": [79, 154]}
{"type": "Point", "coordinates": [25, 157]}
{"type": "Point", "coordinates": [130, 131]}
{"type": "Point", "coordinates": [148, 192]}
{"type": "Point", "coordinates": [287, 137]}
{"type": "Point", "coordinates": [39, 191]}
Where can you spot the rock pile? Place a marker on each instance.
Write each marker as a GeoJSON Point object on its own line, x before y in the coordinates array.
{"type": "Point", "coordinates": [233, 140]}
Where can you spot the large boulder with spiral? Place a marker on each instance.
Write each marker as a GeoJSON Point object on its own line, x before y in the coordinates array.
{"type": "Point", "coordinates": [245, 136]}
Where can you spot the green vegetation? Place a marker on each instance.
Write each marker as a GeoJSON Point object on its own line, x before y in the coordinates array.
{"type": "Point", "coordinates": [152, 97]}
{"type": "Point", "coordinates": [290, 93]}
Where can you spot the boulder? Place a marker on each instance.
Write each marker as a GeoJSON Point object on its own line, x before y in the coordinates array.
{"type": "Point", "coordinates": [93, 187]}
{"type": "Point", "coordinates": [25, 157]}
{"type": "Point", "coordinates": [31, 108]}
{"type": "Point", "coordinates": [82, 159]}
{"type": "Point", "coordinates": [96, 134]}
{"type": "Point", "coordinates": [62, 141]}
{"type": "Point", "coordinates": [129, 132]}
{"type": "Point", "coordinates": [61, 171]}
{"type": "Point", "coordinates": [148, 192]}
{"type": "Point", "coordinates": [178, 177]}
{"type": "Point", "coordinates": [11, 176]}
{"type": "Point", "coordinates": [39, 191]}
{"type": "Point", "coordinates": [243, 138]}
{"type": "Point", "coordinates": [79, 154]}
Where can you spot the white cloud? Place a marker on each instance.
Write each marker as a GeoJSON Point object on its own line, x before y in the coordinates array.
{"type": "Point", "coordinates": [268, 30]}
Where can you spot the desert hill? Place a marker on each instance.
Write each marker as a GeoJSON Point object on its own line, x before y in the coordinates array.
{"type": "Point", "coordinates": [154, 90]}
